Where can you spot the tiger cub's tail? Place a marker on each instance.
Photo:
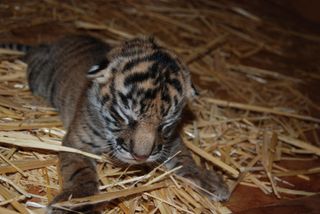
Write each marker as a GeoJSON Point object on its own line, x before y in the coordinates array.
{"type": "Point", "coordinates": [14, 48]}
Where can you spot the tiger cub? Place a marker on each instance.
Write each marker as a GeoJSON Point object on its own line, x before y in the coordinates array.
{"type": "Point", "coordinates": [125, 101]}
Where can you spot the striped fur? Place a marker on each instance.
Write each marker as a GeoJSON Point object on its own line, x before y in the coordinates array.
{"type": "Point", "coordinates": [16, 47]}
{"type": "Point", "coordinates": [124, 101]}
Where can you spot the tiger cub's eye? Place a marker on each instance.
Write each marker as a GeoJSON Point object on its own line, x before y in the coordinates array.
{"type": "Point", "coordinates": [122, 144]}
{"type": "Point", "coordinates": [157, 149]}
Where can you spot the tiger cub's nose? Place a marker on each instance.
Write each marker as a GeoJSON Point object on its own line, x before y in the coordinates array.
{"type": "Point", "coordinates": [140, 158]}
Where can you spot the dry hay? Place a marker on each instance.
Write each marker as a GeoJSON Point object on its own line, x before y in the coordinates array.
{"type": "Point", "coordinates": [245, 138]}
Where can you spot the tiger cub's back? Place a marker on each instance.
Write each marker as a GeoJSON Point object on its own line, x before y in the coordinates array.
{"type": "Point", "coordinates": [58, 71]}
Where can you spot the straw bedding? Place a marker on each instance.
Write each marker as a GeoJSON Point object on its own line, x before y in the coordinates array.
{"type": "Point", "coordinates": [246, 120]}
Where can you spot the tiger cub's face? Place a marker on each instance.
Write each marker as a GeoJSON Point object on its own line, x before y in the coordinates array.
{"type": "Point", "coordinates": [142, 89]}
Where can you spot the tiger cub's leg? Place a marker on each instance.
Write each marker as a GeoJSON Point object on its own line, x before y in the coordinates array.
{"type": "Point", "coordinates": [208, 180]}
{"type": "Point", "coordinates": [79, 180]}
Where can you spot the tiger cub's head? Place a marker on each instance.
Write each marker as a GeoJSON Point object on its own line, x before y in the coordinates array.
{"type": "Point", "coordinates": [142, 89]}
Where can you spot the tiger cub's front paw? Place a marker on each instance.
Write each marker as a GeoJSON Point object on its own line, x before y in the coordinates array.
{"type": "Point", "coordinates": [67, 195]}
{"type": "Point", "coordinates": [211, 182]}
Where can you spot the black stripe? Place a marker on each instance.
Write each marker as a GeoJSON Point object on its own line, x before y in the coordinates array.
{"type": "Point", "coordinates": [129, 95]}
{"type": "Point", "coordinates": [165, 95]}
{"type": "Point", "coordinates": [34, 67]}
{"type": "Point", "coordinates": [116, 115]}
{"type": "Point", "coordinates": [95, 132]}
{"type": "Point", "coordinates": [108, 120]}
{"type": "Point", "coordinates": [140, 92]}
{"type": "Point", "coordinates": [151, 93]}
{"type": "Point", "coordinates": [64, 165]}
{"type": "Point", "coordinates": [105, 99]}
{"type": "Point", "coordinates": [162, 57]}
{"type": "Point", "coordinates": [114, 130]}
{"type": "Point", "coordinates": [164, 111]}
{"type": "Point", "coordinates": [175, 100]}
{"type": "Point", "coordinates": [132, 63]}
{"type": "Point", "coordinates": [176, 84]}
{"type": "Point", "coordinates": [92, 144]}
{"type": "Point", "coordinates": [131, 53]}
{"type": "Point", "coordinates": [23, 48]}
{"type": "Point", "coordinates": [157, 56]}
{"type": "Point", "coordinates": [17, 47]}
{"type": "Point", "coordinates": [94, 183]}
{"type": "Point", "coordinates": [52, 89]}
{"type": "Point", "coordinates": [144, 108]}
{"type": "Point", "coordinates": [92, 128]}
{"type": "Point", "coordinates": [79, 171]}
{"type": "Point", "coordinates": [166, 61]}
{"type": "Point", "coordinates": [112, 87]}
{"type": "Point", "coordinates": [72, 48]}
{"type": "Point", "coordinates": [136, 78]}
{"type": "Point", "coordinates": [123, 99]}
{"type": "Point", "coordinates": [36, 77]}
{"type": "Point", "coordinates": [154, 71]}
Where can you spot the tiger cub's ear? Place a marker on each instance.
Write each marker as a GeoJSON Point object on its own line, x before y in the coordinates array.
{"type": "Point", "coordinates": [194, 91]}
{"type": "Point", "coordinates": [99, 72]}
{"type": "Point", "coordinates": [191, 90]}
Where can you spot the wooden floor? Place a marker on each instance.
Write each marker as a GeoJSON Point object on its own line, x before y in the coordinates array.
{"type": "Point", "coordinates": [249, 200]}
